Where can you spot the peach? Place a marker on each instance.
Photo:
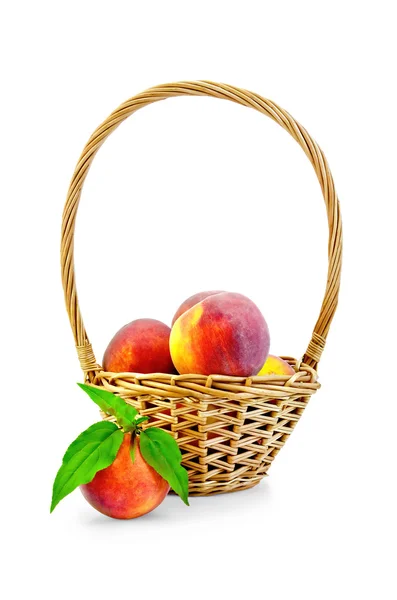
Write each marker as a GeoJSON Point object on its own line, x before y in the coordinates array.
{"type": "Point", "coordinates": [142, 346]}
{"type": "Point", "coordinates": [224, 334]}
{"type": "Point", "coordinates": [191, 301]}
{"type": "Point", "coordinates": [126, 489]}
{"type": "Point", "coordinates": [275, 365]}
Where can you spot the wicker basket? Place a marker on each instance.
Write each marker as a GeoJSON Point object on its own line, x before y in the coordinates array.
{"type": "Point", "coordinates": [229, 429]}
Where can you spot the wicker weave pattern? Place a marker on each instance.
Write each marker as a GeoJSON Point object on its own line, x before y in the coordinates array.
{"type": "Point", "coordinates": [228, 428]}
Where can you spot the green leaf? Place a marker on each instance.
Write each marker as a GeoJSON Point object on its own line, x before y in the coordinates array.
{"type": "Point", "coordinates": [161, 452]}
{"type": "Point", "coordinates": [112, 405]}
{"type": "Point", "coordinates": [141, 420]}
{"type": "Point", "coordinates": [94, 450]}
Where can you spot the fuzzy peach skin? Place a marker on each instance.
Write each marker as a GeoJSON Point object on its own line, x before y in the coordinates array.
{"type": "Point", "coordinates": [126, 489]}
{"type": "Point", "coordinates": [191, 301]}
{"type": "Point", "coordinates": [142, 346]}
{"type": "Point", "coordinates": [224, 334]}
{"type": "Point", "coordinates": [275, 365]}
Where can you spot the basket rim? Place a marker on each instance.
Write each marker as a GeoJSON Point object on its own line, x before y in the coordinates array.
{"type": "Point", "coordinates": [196, 387]}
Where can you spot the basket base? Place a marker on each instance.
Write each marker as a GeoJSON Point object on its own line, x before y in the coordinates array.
{"type": "Point", "coordinates": [214, 489]}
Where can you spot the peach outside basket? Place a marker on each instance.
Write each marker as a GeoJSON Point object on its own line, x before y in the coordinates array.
{"type": "Point", "coordinates": [229, 429]}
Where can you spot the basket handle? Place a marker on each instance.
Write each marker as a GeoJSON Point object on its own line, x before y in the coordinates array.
{"type": "Point", "coordinates": [216, 90]}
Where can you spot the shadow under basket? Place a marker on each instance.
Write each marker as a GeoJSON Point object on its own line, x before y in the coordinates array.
{"type": "Point", "coordinates": [229, 429]}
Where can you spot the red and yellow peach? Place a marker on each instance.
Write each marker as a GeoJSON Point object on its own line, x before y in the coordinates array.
{"type": "Point", "coordinates": [142, 346]}
{"type": "Point", "coordinates": [275, 365]}
{"type": "Point", "coordinates": [223, 334]}
{"type": "Point", "coordinates": [126, 489]}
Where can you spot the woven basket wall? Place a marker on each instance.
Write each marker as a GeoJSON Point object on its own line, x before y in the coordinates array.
{"type": "Point", "coordinates": [229, 429]}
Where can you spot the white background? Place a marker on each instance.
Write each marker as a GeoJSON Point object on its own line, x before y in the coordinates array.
{"type": "Point", "coordinates": [194, 194]}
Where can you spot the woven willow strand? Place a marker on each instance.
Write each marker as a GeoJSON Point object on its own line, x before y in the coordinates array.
{"type": "Point", "coordinates": [216, 90]}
